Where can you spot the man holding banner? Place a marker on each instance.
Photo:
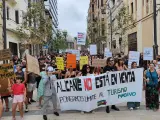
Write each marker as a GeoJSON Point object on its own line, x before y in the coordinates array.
{"type": "Point", "coordinates": [110, 67]}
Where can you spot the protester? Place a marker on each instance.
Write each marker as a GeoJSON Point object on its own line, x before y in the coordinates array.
{"type": "Point", "coordinates": [1, 107]}
{"type": "Point", "coordinates": [31, 86]}
{"type": "Point", "coordinates": [19, 95]}
{"type": "Point", "coordinates": [70, 73]}
{"type": "Point", "coordinates": [133, 105]}
{"type": "Point", "coordinates": [49, 93]}
{"type": "Point", "coordinates": [120, 65]}
{"type": "Point", "coordinates": [24, 81]}
{"type": "Point", "coordinates": [151, 93]}
{"type": "Point", "coordinates": [110, 67]}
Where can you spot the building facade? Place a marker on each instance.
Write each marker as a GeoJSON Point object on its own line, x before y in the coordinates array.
{"type": "Point", "coordinates": [51, 6]}
{"type": "Point", "coordinates": [140, 30]}
{"type": "Point", "coordinates": [14, 17]}
{"type": "Point", "coordinates": [96, 24]}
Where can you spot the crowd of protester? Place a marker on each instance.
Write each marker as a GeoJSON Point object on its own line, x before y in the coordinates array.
{"type": "Point", "coordinates": [25, 83]}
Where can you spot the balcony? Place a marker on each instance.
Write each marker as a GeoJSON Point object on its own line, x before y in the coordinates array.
{"type": "Point", "coordinates": [11, 25]}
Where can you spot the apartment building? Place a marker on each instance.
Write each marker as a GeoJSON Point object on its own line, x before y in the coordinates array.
{"type": "Point", "coordinates": [96, 27]}
{"type": "Point", "coordinates": [51, 6]}
{"type": "Point", "coordinates": [140, 32]}
{"type": "Point", "coordinates": [14, 17]}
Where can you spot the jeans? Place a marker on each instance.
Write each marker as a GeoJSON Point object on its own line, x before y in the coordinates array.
{"type": "Point", "coordinates": [133, 104]}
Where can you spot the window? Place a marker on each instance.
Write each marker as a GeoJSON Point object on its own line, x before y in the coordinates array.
{"type": "Point", "coordinates": [113, 1]}
{"type": "Point", "coordinates": [132, 8]}
{"type": "Point", "coordinates": [103, 29]}
{"type": "Point", "coordinates": [147, 6]}
{"type": "Point", "coordinates": [92, 7]}
{"type": "Point", "coordinates": [93, 17]}
{"type": "Point", "coordinates": [7, 13]}
{"type": "Point", "coordinates": [101, 3]}
{"type": "Point", "coordinates": [17, 16]}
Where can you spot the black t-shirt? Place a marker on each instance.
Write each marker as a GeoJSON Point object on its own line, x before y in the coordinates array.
{"type": "Point", "coordinates": [109, 68]}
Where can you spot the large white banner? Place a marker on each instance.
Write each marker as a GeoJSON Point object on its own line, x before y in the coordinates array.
{"type": "Point", "coordinates": [90, 92]}
{"type": "Point", "coordinates": [81, 38]}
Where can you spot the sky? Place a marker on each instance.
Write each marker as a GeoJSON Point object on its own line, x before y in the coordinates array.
{"type": "Point", "coordinates": [72, 15]}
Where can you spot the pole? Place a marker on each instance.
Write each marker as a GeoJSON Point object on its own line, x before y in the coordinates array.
{"type": "Point", "coordinates": [4, 25]}
{"type": "Point", "coordinates": [155, 46]}
{"type": "Point", "coordinates": [111, 26]}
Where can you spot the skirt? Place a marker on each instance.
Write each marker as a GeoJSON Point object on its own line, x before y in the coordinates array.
{"type": "Point", "coordinates": [152, 97]}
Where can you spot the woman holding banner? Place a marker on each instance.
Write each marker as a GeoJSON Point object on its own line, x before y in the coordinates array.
{"type": "Point", "coordinates": [110, 67]}
{"type": "Point", "coordinates": [151, 93]}
{"type": "Point", "coordinates": [133, 105]}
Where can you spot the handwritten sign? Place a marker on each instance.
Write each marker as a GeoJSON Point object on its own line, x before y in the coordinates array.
{"type": "Point", "coordinates": [148, 54]}
{"type": "Point", "coordinates": [99, 62]}
{"type": "Point", "coordinates": [83, 61]}
{"type": "Point", "coordinates": [71, 61]}
{"type": "Point", "coordinates": [6, 73]}
{"type": "Point", "coordinates": [32, 64]}
{"type": "Point", "coordinates": [107, 54]}
{"type": "Point", "coordinates": [93, 49]}
{"type": "Point", "coordinates": [5, 54]}
{"type": "Point", "coordinates": [60, 63]}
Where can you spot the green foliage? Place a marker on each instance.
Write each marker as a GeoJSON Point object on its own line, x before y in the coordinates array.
{"type": "Point", "coordinates": [36, 27]}
{"type": "Point", "coordinates": [59, 42]}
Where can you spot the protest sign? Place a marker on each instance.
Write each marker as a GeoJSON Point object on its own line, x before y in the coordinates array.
{"type": "Point", "coordinates": [83, 61]}
{"type": "Point", "coordinates": [148, 54]}
{"type": "Point", "coordinates": [6, 73]}
{"type": "Point", "coordinates": [93, 49]}
{"type": "Point", "coordinates": [106, 50]}
{"type": "Point", "coordinates": [71, 61]}
{"type": "Point", "coordinates": [87, 93]}
{"type": "Point", "coordinates": [133, 57]}
{"type": "Point", "coordinates": [99, 62]}
{"type": "Point", "coordinates": [81, 38]}
{"type": "Point", "coordinates": [60, 63]}
{"type": "Point", "coordinates": [5, 54]}
{"type": "Point", "coordinates": [32, 64]}
{"type": "Point", "coordinates": [107, 54]}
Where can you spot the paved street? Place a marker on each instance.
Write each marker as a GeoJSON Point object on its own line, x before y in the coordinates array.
{"type": "Point", "coordinates": [99, 114]}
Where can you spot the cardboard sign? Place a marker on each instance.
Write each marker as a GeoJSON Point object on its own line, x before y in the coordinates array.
{"type": "Point", "coordinates": [99, 62]}
{"type": "Point", "coordinates": [32, 64]}
{"type": "Point", "coordinates": [76, 52]}
{"type": "Point", "coordinates": [83, 61]}
{"type": "Point", "coordinates": [71, 61]}
{"type": "Point", "coordinates": [60, 63]}
{"type": "Point", "coordinates": [148, 54]}
{"type": "Point", "coordinates": [6, 73]}
{"type": "Point", "coordinates": [5, 54]}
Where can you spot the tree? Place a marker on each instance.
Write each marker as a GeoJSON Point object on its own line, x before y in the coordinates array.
{"type": "Point", "coordinates": [123, 24]}
{"type": "Point", "coordinates": [36, 28]}
{"type": "Point", "coordinates": [58, 42]}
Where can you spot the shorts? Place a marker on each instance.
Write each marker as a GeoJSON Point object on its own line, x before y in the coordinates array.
{"type": "Point", "coordinates": [18, 98]}
{"type": "Point", "coordinates": [31, 87]}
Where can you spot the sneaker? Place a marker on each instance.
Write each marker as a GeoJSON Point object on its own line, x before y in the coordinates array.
{"type": "Point", "coordinates": [107, 109]}
{"type": "Point", "coordinates": [131, 108]}
{"type": "Point", "coordinates": [56, 113]}
{"type": "Point", "coordinates": [137, 107]}
{"type": "Point", "coordinates": [13, 118]}
{"type": "Point", "coordinates": [32, 100]}
{"type": "Point", "coordinates": [26, 110]}
{"type": "Point", "coordinates": [82, 112]}
{"type": "Point", "coordinates": [44, 117]}
{"type": "Point", "coordinates": [115, 108]}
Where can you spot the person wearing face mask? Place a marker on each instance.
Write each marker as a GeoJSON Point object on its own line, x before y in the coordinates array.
{"type": "Point", "coordinates": [110, 66]}
{"type": "Point", "coordinates": [49, 93]}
